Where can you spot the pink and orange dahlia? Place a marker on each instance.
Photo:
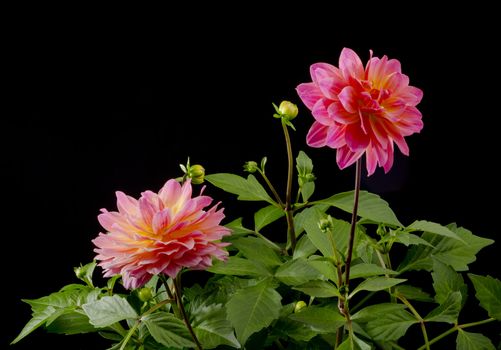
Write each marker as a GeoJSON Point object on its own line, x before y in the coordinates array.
{"type": "Point", "coordinates": [160, 234]}
{"type": "Point", "coordinates": [361, 110]}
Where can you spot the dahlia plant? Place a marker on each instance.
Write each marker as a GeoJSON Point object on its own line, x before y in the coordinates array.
{"type": "Point", "coordinates": [324, 283]}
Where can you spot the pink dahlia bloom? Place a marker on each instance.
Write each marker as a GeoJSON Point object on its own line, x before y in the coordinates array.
{"type": "Point", "coordinates": [159, 233]}
{"type": "Point", "coordinates": [361, 110]}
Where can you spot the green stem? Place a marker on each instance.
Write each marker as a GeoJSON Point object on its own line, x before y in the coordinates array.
{"type": "Point", "coordinates": [129, 335]}
{"type": "Point", "coordinates": [117, 327]}
{"type": "Point", "coordinates": [362, 302]}
{"type": "Point", "coordinates": [358, 178]}
{"type": "Point", "coordinates": [171, 296]}
{"type": "Point", "coordinates": [339, 337]}
{"type": "Point", "coordinates": [288, 195]}
{"type": "Point", "coordinates": [272, 188]}
{"type": "Point", "coordinates": [420, 319]}
{"type": "Point", "coordinates": [177, 287]}
{"type": "Point", "coordinates": [455, 328]}
{"type": "Point", "coordinates": [270, 243]}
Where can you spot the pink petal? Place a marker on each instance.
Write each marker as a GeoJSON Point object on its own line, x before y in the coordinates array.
{"type": "Point", "coordinates": [161, 220]}
{"type": "Point", "coordinates": [371, 161]}
{"type": "Point", "coordinates": [309, 94]}
{"type": "Point", "coordinates": [389, 162]}
{"type": "Point", "coordinates": [338, 113]}
{"type": "Point", "coordinates": [336, 136]}
{"type": "Point", "coordinates": [350, 64]}
{"type": "Point", "coordinates": [319, 112]}
{"type": "Point", "coordinates": [348, 98]}
{"type": "Point", "coordinates": [412, 95]}
{"type": "Point", "coordinates": [410, 121]}
{"type": "Point", "coordinates": [126, 204]}
{"type": "Point", "coordinates": [317, 135]}
{"type": "Point", "coordinates": [345, 157]}
{"type": "Point", "coordinates": [319, 71]}
{"type": "Point", "coordinates": [355, 137]}
{"type": "Point", "coordinates": [147, 209]}
{"type": "Point", "coordinates": [170, 192]}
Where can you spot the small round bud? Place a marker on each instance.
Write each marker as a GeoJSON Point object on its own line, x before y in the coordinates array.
{"type": "Point", "coordinates": [325, 225]}
{"type": "Point", "coordinates": [145, 294]}
{"type": "Point", "coordinates": [299, 305]}
{"type": "Point", "coordinates": [250, 166]}
{"type": "Point", "coordinates": [288, 110]}
{"type": "Point", "coordinates": [197, 174]}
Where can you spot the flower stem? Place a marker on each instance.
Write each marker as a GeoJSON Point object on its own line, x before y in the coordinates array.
{"type": "Point", "coordinates": [455, 328]}
{"type": "Point", "coordinates": [171, 296]}
{"type": "Point", "coordinates": [272, 188]}
{"type": "Point", "coordinates": [288, 196]}
{"type": "Point", "coordinates": [358, 178]}
{"type": "Point", "coordinates": [177, 287]}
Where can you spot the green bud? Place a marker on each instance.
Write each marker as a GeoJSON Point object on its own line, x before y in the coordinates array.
{"type": "Point", "coordinates": [79, 272]}
{"type": "Point", "coordinates": [288, 110]}
{"type": "Point", "coordinates": [326, 224]}
{"type": "Point", "coordinates": [299, 305]}
{"type": "Point", "coordinates": [197, 174]}
{"type": "Point", "coordinates": [145, 294]}
{"type": "Point", "coordinates": [250, 166]}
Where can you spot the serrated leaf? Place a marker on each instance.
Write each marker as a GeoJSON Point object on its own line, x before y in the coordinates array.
{"type": "Point", "coordinates": [253, 308]}
{"type": "Point", "coordinates": [447, 311]}
{"type": "Point", "coordinates": [212, 328]}
{"type": "Point", "coordinates": [473, 341]}
{"type": "Point", "coordinates": [320, 240]}
{"type": "Point", "coordinates": [108, 310]}
{"type": "Point", "coordinates": [367, 270]}
{"type": "Point", "coordinates": [287, 328]}
{"type": "Point", "coordinates": [432, 227]}
{"type": "Point", "coordinates": [168, 330]}
{"type": "Point", "coordinates": [358, 344]}
{"type": "Point", "coordinates": [265, 216]}
{"type": "Point", "coordinates": [412, 293]}
{"type": "Point", "coordinates": [247, 189]}
{"type": "Point", "coordinates": [304, 248]}
{"type": "Point", "coordinates": [322, 319]}
{"type": "Point", "coordinates": [73, 297]}
{"type": "Point", "coordinates": [370, 206]}
{"type": "Point", "coordinates": [295, 272]}
{"type": "Point", "coordinates": [375, 284]}
{"type": "Point", "coordinates": [446, 281]}
{"type": "Point", "coordinates": [38, 319]}
{"type": "Point", "coordinates": [488, 292]}
{"type": "Point", "coordinates": [238, 229]}
{"type": "Point", "coordinates": [319, 289]}
{"type": "Point", "coordinates": [386, 321]}
{"type": "Point", "coordinates": [453, 252]}
{"type": "Point", "coordinates": [256, 249]}
{"type": "Point", "coordinates": [304, 164]}
{"type": "Point", "coordinates": [239, 267]}
{"type": "Point", "coordinates": [405, 238]}
{"type": "Point", "coordinates": [325, 267]}
{"type": "Point", "coordinates": [71, 322]}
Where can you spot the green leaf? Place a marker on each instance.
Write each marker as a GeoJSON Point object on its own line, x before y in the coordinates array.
{"type": "Point", "coordinates": [405, 238]}
{"type": "Point", "coordinates": [287, 328]}
{"type": "Point", "coordinates": [238, 229]}
{"type": "Point", "coordinates": [307, 190]}
{"type": "Point", "coordinates": [304, 248]}
{"type": "Point", "coordinates": [267, 215]}
{"type": "Point", "coordinates": [325, 267]}
{"type": "Point", "coordinates": [320, 240]}
{"type": "Point", "coordinates": [375, 284]}
{"type": "Point", "coordinates": [304, 167]}
{"type": "Point", "coordinates": [108, 310]}
{"type": "Point", "coordinates": [370, 206]}
{"type": "Point", "coordinates": [73, 297]}
{"type": "Point", "coordinates": [447, 311]}
{"type": "Point", "coordinates": [454, 252]}
{"type": "Point", "coordinates": [253, 308]}
{"type": "Point", "coordinates": [247, 189]}
{"type": "Point", "coordinates": [432, 227]}
{"type": "Point", "coordinates": [412, 293]}
{"type": "Point", "coordinates": [239, 267]}
{"type": "Point", "coordinates": [358, 344]}
{"type": "Point", "coordinates": [367, 270]}
{"type": "Point", "coordinates": [488, 292]}
{"type": "Point", "coordinates": [256, 249]}
{"type": "Point", "coordinates": [38, 319]}
{"type": "Point", "coordinates": [168, 330]}
{"type": "Point", "coordinates": [322, 319]}
{"type": "Point", "coordinates": [85, 272]}
{"type": "Point", "coordinates": [212, 328]}
{"type": "Point", "coordinates": [319, 289]}
{"type": "Point", "coordinates": [71, 322]}
{"type": "Point", "coordinates": [472, 341]}
{"type": "Point", "coordinates": [304, 164]}
{"type": "Point", "coordinates": [295, 272]}
{"type": "Point", "coordinates": [446, 281]}
{"type": "Point", "coordinates": [385, 321]}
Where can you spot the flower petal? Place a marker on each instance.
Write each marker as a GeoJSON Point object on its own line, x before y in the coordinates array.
{"type": "Point", "coordinates": [309, 94]}
{"type": "Point", "coordinates": [350, 64]}
{"type": "Point", "coordinates": [317, 135]}
{"type": "Point", "coordinates": [355, 137]}
{"type": "Point", "coordinates": [348, 98]}
{"type": "Point", "coordinates": [345, 157]}
{"type": "Point", "coordinates": [339, 114]}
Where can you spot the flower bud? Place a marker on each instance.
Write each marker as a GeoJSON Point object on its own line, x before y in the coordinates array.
{"type": "Point", "coordinates": [197, 174]}
{"type": "Point", "coordinates": [145, 294]}
{"type": "Point", "coordinates": [250, 166]}
{"type": "Point", "coordinates": [325, 225]}
{"type": "Point", "coordinates": [288, 110]}
{"type": "Point", "coordinates": [299, 305]}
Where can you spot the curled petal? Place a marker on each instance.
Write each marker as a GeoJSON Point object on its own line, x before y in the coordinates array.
{"type": "Point", "coordinates": [350, 64]}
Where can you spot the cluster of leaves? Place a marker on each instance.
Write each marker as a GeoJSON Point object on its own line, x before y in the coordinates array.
{"type": "Point", "coordinates": [266, 297]}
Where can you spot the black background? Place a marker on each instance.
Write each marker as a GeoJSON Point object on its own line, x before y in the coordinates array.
{"type": "Point", "coordinates": [105, 102]}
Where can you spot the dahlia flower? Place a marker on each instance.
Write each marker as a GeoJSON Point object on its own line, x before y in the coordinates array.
{"type": "Point", "coordinates": [159, 233]}
{"type": "Point", "coordinates": [361, 110]}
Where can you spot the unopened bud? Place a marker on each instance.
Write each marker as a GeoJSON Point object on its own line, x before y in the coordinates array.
{"type": "Point", "coordinates": [299, 306]}
{"type": "Point", "coordinates": [197, 174]}
{"type": "Point", "coordinates": [250, 167]}
{"type": "Point", "coordinates": [325, 225]}
{"type": "Point", "coordinates": [288, 110]}
{"type": "Point", "coordinates": [145, 294]}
